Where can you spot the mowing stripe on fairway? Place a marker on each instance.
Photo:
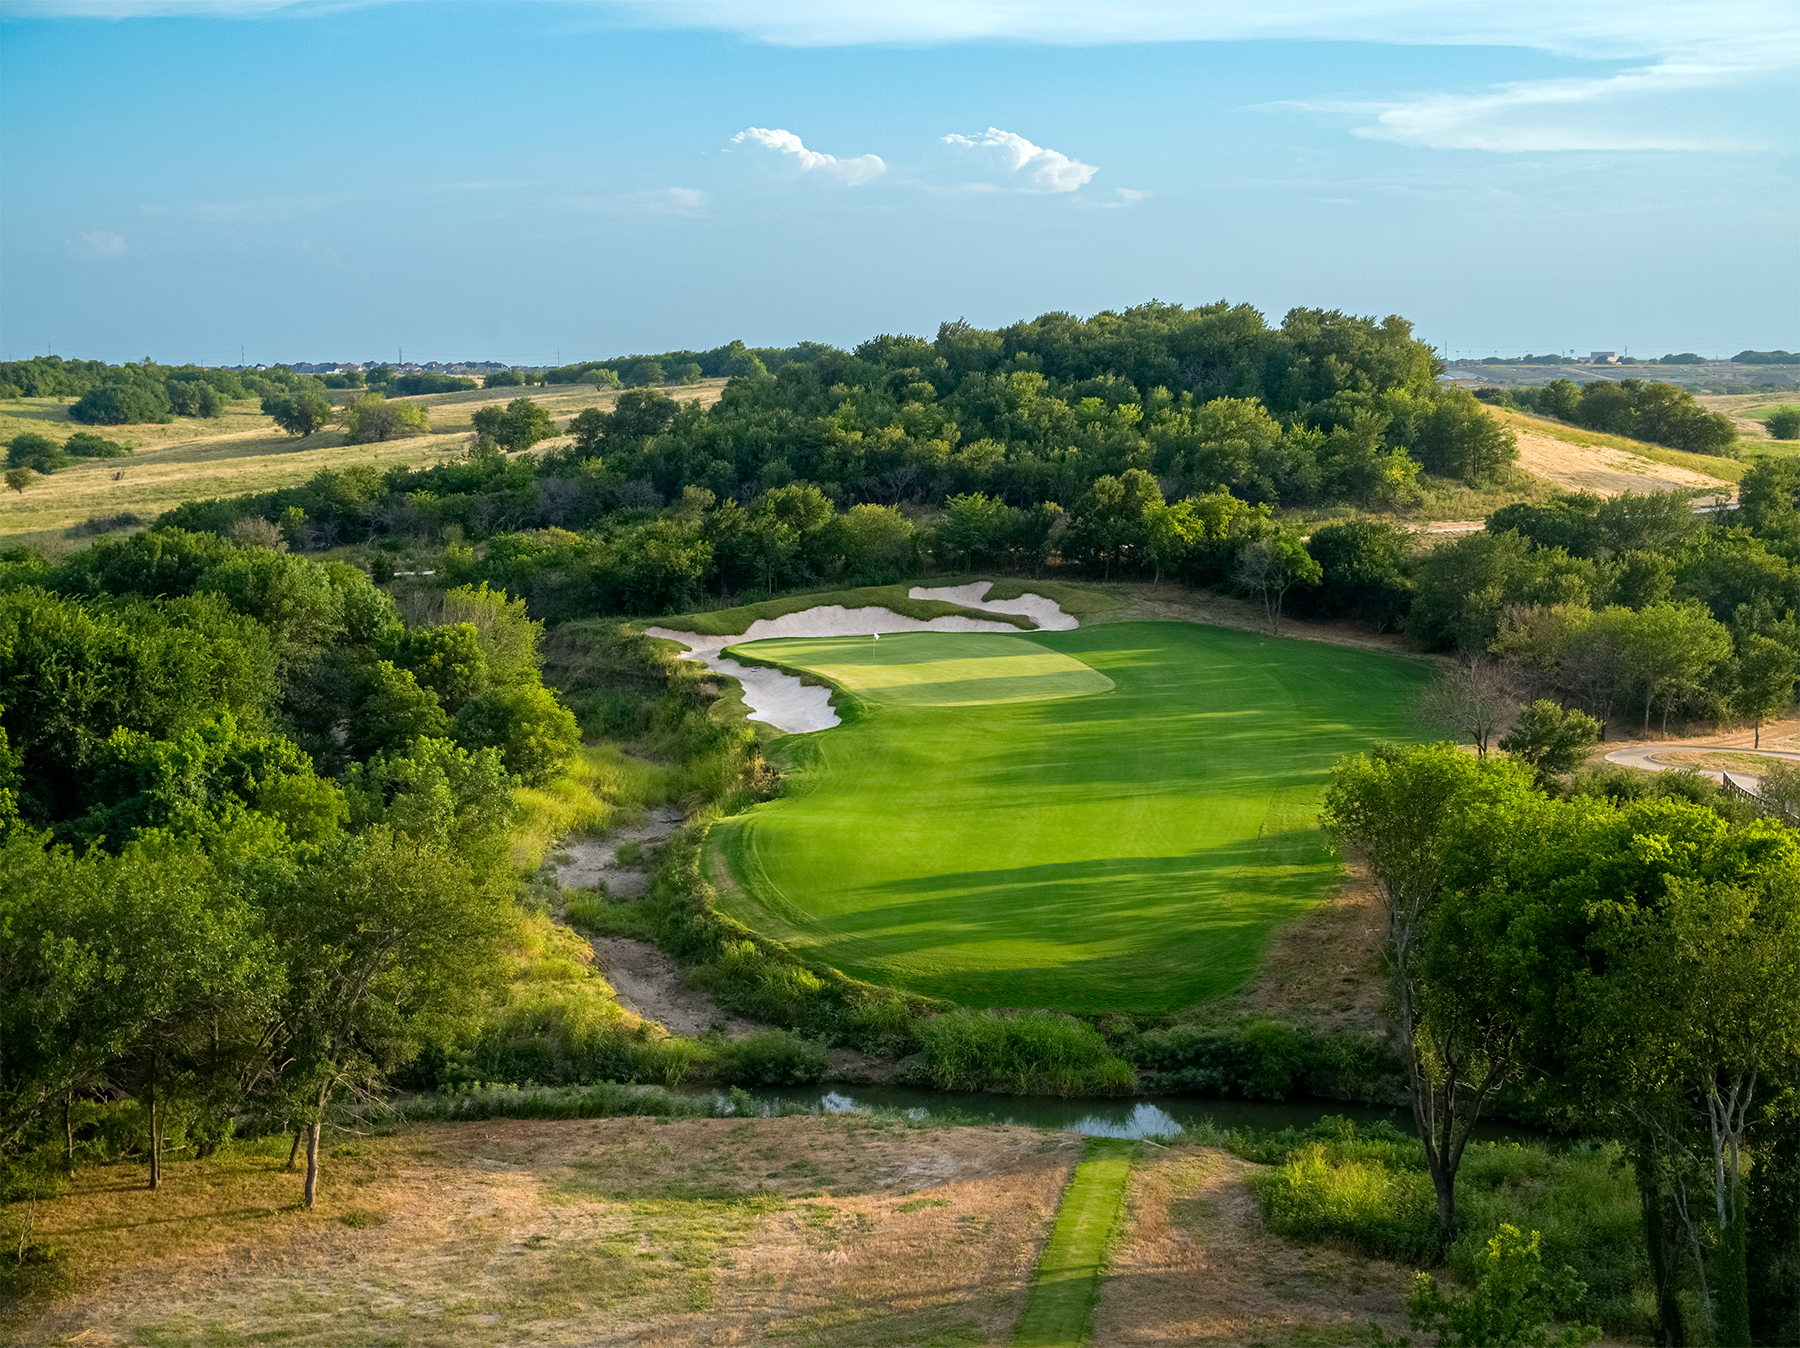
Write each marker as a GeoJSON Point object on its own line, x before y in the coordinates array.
{"type": "Point", "coordinates": [1114, 818]}
{"type": "Point", "coordinates": [1067, 1280]}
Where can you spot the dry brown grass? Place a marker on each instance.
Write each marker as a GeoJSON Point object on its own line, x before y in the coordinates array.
{"type": "Point", "coordinates": [801, 1230]}
{"type": "Point", "coordinates": [1324, 968]}
{"type": "Point", "coordinates": [1194, 1265]}
{"type": "Point", "coordinates": [240, 451]}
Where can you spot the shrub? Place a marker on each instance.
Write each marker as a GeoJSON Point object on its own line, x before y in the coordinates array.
{"type": "Point", "coordinates": [105, 524]}
{"type": "Point", "coordinates": [20, 478]}
{"type": "Point", "coordinates": [1266, 1060]}
{"type": "Point", "coordinates": [1784, 423]}
{"type": "Point", "coordinates": [411, 385]}
{"type": "Point", "coordinates": [1364, 1205]}
{"type": "Point", "coordinates": [87, 445]}
{"type": "Point", "coordinates": [121, 403]}
{"type": "Point", "coordinates": [1511, 1303]}
{"type": "Point", "coordinates": [1019, 1053]}
{"type": "Point", "coordinates": [37, 452]}
{"type": "Point", "coordinates": [772, 1058]}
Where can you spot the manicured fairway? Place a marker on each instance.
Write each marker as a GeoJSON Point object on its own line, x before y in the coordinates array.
{"type": "Point", "coordinates": [1126, 848]}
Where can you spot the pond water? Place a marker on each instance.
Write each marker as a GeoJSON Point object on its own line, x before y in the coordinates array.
{"type": "Point", "coordinates": [1165, 1117]}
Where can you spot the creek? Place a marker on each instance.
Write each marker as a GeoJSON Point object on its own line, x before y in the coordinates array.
{"type": "Point", "coordinates": [1165, 1117]}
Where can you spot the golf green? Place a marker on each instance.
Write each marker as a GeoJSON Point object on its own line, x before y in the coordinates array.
{"type": "Point", "coordinates": [1110, 819]}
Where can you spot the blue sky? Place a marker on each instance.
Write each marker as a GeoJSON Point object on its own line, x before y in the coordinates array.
{"type": "Point", "coordinates": [542, 181]}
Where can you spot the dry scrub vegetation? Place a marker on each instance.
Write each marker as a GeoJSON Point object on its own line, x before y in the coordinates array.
{"type": "Point", "coordinates": [241, 451]}
{"type": "Point", "coordinates": [837, 1230]}
{"type": "Point", "coordinates": [1194, 1265]}
{"type": "Point", "coordinates": [802, 1230]}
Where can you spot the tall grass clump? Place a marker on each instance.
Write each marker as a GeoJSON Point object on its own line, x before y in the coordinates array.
{"type": "Point", "coordinates": [1367, 1189]}
{"type": "Point", "coordinates": [1018, 1053]}
{"type": "Point", "coordinates": [1315, 1198]}
{"type": "Point", "coordinates": [608, 1099]}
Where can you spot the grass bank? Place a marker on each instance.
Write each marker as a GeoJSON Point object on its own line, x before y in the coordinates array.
{"type": "Point", "coordinates": [733, 621]}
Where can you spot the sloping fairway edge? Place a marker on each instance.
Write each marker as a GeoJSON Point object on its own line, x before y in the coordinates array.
{"type": "Point", "coordinates": [1067, 1280]}
{"type": "Point", "coordinates": [1128, 850]}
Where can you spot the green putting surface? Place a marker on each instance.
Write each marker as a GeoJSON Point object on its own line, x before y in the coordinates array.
{"type": "Point", "coordinates": [936, 669]}
{"type": "Point", "coordinates": [1126, 848]}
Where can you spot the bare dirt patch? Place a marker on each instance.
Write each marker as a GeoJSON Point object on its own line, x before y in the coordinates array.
{"type": "Point", "coordinates": [1604, 469]}
{"type": "Point", "coordinates": [647, 982]}
{"type": "Point", "coordinates": [1324, 967]}
{"type": "Point", "coordinates": [807, 1230]}
{"type": "Point", "coordinates": [1194, 1264]}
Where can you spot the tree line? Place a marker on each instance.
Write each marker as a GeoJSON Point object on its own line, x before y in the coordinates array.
{"type": "Point", "coordinates": [1630, 967]}
{"type": "Point", "coordinates": [255, 831]}
{"type": "Point", "coordinates": [1656, 411]}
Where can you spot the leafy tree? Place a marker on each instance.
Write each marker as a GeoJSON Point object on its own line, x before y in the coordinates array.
{"type": "Point", "coordinates": [1460, 439]}
{"type": "Point", "coordinates": [1765, 680]}
{"type": "Point", "coordinates": [1670, 649]}
{"type": "Point", "coordinates": [1173, 532]}
{"type": "Point", "coordinates": [642, 372]}
{"type": "Point", "coordinates": [449, 660]}
{"type": "Point", "coordinates": [1409, 814]}
{"type": "Point", "coordinates": [122, 402]}
{"type": "Point", "coordinates": [20, 478]}
{"type": "Point", "coordinates": [519, 426]}
{"type": "Point", "coordinates": [1362, 564]}
{"type": "Point", "coordinates": [298, 413]}
{"type": "Point", "coordinates": [535, 733]}
{"type": "Point", "coordinates": [372, 418]}
{"type": "Point", "coordinates": [641, 413]}
{"type": "Point", "coordinates": [1550, 740]}
{"type": "Point", "coordinates": [193, 398]}
{"type": "Point", "coordinates": [389, 943]}
{"type": "Point", "coordinates": [391, 711]}
{"type": "Point", "coordinates": [974, 528]}
{"type": "Point", "coordinates": [37, 452]}
{"type": "Point", "coordinates": [589, 428]}
{"type": "Point", "coordinates": [145, 969]}
{"type": "Point", "coordinates": [1784, 423]}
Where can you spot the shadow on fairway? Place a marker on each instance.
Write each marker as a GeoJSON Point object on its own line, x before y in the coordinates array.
{"type": "Point", "coordinates": [1107, 933]}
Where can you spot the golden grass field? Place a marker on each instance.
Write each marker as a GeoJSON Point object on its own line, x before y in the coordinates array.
{"type": "Point", "coordinates": [835, 1230]}
{"type": "Point", "coordinates": [239, 451]}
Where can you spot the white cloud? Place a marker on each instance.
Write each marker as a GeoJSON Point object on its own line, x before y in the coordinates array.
{"type": "Point", "coordinates": [1046, 170]}
{"type": "Point", "coordinates": [1595, 28]}
{"type": "Point", "coordinates": [850, 172]}
{"type": "Point", "coordinates": [688, 198]}
{"type": "Point", "coordinates": [100, 243]}
{"type": "Point", "coordinates": [1625, 111]}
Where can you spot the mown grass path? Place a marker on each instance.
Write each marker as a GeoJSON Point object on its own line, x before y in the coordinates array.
{"type": "Point", "coordinates": [1067, 1280]}
{"type": "Point", "coordinates": [1109, 819]}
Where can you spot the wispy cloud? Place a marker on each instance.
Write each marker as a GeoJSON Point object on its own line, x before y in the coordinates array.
{"type": "Point", "coordinates": [1010, 153]}
{"type": "Point", "coordinates": [662, 201]}
{"type": "Point", "coordinates": [1625, 111]}
{"type": "Point", "coordinates": [850, 172]}
{"type": "Point", "coordinates": [1593, 28]}
{"type": "Point", "coordinates": [1128, 196]}
{"type": "Point", "coordinates": [100, 243]}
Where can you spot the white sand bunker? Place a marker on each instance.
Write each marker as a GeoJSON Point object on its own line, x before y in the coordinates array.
{"type": "Point", "coordinates": [782, 701]}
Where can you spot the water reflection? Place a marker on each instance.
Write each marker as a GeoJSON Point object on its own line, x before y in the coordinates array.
{"type": "Point", "coordinates": [1167, 1117]}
